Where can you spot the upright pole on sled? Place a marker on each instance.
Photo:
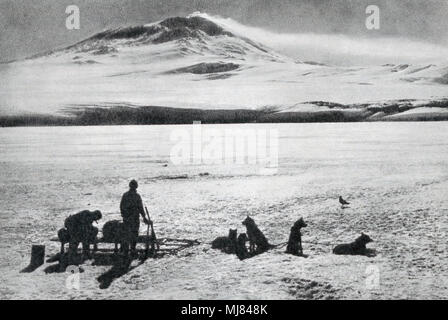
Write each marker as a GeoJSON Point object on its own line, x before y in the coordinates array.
{"type": "Point", "coordinates": [153, 236]}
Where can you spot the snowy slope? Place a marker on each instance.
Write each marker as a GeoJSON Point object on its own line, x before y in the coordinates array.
{"type": "Point", "coordinates": [200, 61]}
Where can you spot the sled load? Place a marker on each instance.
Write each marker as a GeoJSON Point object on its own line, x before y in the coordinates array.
{"type": "Point", "coordinates": [104, 247]}
{"type": "Point", "coordinates": [79, 229]}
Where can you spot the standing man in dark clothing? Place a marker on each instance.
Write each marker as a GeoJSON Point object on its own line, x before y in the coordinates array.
{"type": "Point", "coordinates": [131, 207]}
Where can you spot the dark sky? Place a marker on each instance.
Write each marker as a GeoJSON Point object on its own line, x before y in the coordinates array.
{"type": "Point", "coordinates": [31, 26]}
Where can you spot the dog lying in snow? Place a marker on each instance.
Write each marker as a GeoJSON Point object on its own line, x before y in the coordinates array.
{"type": "Point", "coordinates": [226, 244]}
{"type": "Point", "coordinates": [295, 238]}
{"type": "Point", "coordinates": [257, 240]}
{"type": "Point", "coordinates": [357, 247]}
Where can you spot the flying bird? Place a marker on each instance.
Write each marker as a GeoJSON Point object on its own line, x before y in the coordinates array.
{"type": "Point", "coordinates": [343, 202]}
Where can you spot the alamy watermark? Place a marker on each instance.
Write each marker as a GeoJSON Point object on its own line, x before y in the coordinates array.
{"type": "Point", "coordinates": [73, 280]}
{"type": "Point", "coordinates": [373, 19]}
{"type": "Point", "coordinates": [206, 145]}
{"type": "Point", "coordinates": [372, 280]}
{"type": "Point", "coordinates": [73, 21]}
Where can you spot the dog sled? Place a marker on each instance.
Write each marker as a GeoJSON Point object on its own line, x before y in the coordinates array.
{"type": "Point", "coordinates": [163, 246]}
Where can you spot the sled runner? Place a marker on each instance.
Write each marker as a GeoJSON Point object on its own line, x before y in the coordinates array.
{"type": "Point", "coordinates": [163, 245]}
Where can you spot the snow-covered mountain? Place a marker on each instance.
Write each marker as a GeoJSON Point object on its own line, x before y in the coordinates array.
{"type": "Point", "coordinates": [203, 62]}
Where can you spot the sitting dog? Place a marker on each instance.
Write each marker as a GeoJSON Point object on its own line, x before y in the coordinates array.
{"type": "Point", "coordinates": [113, 232]}
{"type": "Point", "coordinates": [257, 241]}
{"type": "Point", "coordinates": [295, 238]}
{"type": "Point", "coordinates": [358, 247]}
{"type": "Point", "coordinates": [241, 249]}
{"type": "Point", "coordinates": [226, 244]}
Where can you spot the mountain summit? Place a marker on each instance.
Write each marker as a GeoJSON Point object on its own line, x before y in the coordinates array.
{"type": "Point", "coordinates": [204, 62]}
{"type": "Point", "coordinates": [182, 36]}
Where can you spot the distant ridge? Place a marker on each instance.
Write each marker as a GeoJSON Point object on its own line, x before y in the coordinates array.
{"type": "Point", "coordinates": [156, 115]}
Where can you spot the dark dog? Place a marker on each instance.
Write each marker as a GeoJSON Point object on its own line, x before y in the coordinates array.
{"type": "Point", "coordinates": [295, 238]}
{"type": "Point", "coordinates": [358, 247]}
{"type": "Point", "coordinates": [257, 241]}
{"type": "Point", "coordinates": [241, 249]}
{"type": "Point", "coordinates": [114, 232]}
{"type": "Point", "coordinates": [226, 244]}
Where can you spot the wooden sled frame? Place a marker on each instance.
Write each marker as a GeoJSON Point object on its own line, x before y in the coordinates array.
{"type": "Point", "coordinates": [164, 245]}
